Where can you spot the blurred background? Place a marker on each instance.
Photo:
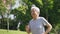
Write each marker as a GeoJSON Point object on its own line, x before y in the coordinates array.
{"type": "Point", "coordinates": [15, 14]}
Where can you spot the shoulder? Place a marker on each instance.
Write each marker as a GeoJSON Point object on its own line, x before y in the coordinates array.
{"type": "Point", "coordinates": [41, 17]}
{"type": "Point", "coordinates": [30, 20]}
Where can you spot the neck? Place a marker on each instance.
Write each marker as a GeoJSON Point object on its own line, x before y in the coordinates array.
{"type": "Point", "coordinates": [35, 17]}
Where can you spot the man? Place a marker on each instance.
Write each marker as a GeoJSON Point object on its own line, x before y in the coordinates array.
{"type": "Point", "coordinates": [36, 25]}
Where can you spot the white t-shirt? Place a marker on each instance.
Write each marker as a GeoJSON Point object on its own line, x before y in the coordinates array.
{"type": "Point", "coordinates": [37, 26]}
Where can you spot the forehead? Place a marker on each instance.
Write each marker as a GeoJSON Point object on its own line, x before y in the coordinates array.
{"type": "Point", "coordinates": [34, 10]}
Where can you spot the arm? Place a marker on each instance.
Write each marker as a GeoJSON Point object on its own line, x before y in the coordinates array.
{"type": "Point", "coordinates": [28, 29]}
{"type": "Point", "coordinates": [49, 27]}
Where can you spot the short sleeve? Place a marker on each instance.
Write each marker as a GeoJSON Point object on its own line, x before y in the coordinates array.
{"type": "Point", "coordinates": [45, 22]}
{"type": "Point", "coordinates": [29, 24]}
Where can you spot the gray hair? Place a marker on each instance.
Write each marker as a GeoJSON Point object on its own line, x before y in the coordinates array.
{"type": "Point", "coordinates": [36, 8]}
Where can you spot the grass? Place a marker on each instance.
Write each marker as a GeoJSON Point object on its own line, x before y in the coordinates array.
{"type": "Point", "coordinates": [11, 32]}
{"type": "Point", "coordinates": [3, 31]}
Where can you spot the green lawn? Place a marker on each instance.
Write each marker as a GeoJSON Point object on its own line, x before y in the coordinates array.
{"type": "Point", "coordinates": [3, 31]}
{"type": "Point", "coordinates": [11, 32]}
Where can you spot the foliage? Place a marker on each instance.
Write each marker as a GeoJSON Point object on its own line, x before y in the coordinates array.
{"type": "Point", "coordinates": [50, 9]}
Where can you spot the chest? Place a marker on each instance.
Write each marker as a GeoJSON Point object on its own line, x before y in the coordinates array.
{"type": "Point", "coordinates": [36, 24]}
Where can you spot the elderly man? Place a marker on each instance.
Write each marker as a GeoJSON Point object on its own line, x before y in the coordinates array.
{"type": "Point", "coordinates": [36, 24]}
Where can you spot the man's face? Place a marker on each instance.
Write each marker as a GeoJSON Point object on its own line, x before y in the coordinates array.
{"type": "Point", "coordinates": [34, 13]}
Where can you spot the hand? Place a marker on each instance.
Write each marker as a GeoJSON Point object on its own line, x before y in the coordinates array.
{"type": "Point", "coordinates": [44, 33]}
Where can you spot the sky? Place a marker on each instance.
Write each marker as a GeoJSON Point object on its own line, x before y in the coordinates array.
{"type": "Point", "coordinates": [17, 4]}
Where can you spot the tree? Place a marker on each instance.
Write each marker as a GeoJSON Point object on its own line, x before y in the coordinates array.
{"type": "Point", "coordinates": [5, 6]}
